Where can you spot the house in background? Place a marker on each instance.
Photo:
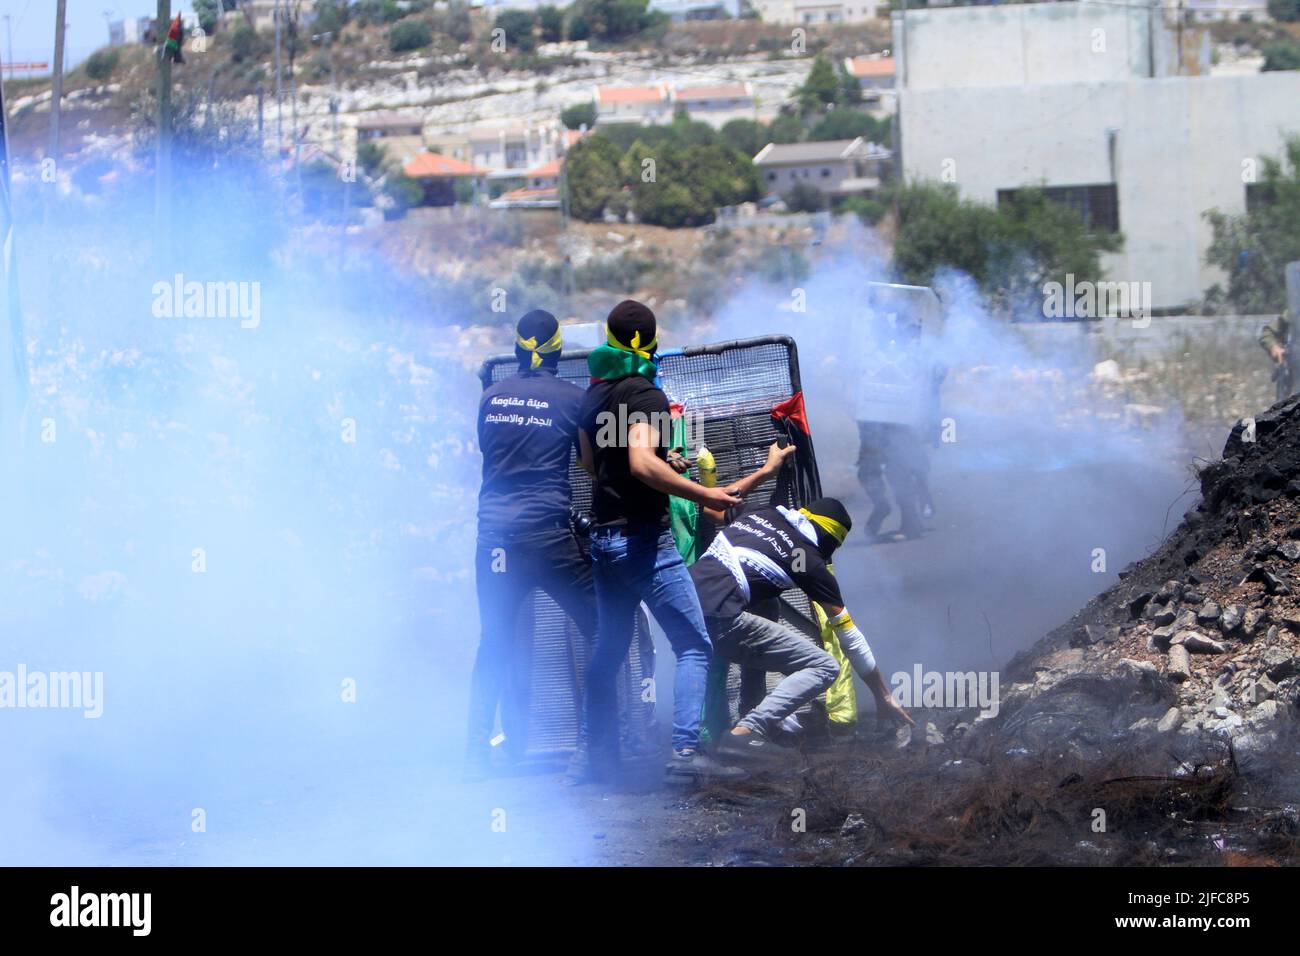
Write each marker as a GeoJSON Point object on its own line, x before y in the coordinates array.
{"type": "Point", "coordinates": [508, 152]}
{"type": "Point", "coordinates": [260, 14]}
{"type": "Point", "coordinates": [541, 189]}
{"type": "Point", "coordinates": [437, 176]}
{"type": "Point", "coordinates": [1141, 138]}
{"type": "Point", "coordinates": [645, 105]}
{"type": "Point", "coordinates": [716, 103]}
{"type": "Point", "coordinates": [810, 12]}
{"type": "Point", "coordinates": [836, 168]}
{"type": "Point", "coordinates": [683, 11]}
{"type": "Point", "coordinates": [401, 134]}
{"type": "Point", "coordinates": [875, 74]}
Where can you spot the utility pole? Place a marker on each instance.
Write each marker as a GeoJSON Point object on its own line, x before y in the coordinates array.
{"type": "Point", "coordinates": [279, 93]}
{"type": "Point", "coordinates": [56, 90]}
{"type": "Point", "coordinates": [163, 155]}
{"type": "Point", "coordinates": [13, 361]}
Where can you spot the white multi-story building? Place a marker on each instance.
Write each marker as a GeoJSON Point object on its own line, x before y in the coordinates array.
{"type": "Point", "coordinates": [1218, 11]}
{"type": "Point", "coordinates": [812, 12]}
{"type": "Point", "coordinates": [511, 151]}
{"type": "Point", "coordinates": [1110, 109]}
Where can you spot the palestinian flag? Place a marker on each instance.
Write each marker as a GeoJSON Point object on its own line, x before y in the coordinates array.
{"type": "Point", "coordinates": [175, 40]}
{"type": "Point", "coordinates": [799, 484]}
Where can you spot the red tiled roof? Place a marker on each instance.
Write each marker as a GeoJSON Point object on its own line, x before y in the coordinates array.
{"type": "Point", "coordinates": [428, 164]}
{"type": "Point", "coordinates": [546, 169]}
{"type": "Point", "coordinates": [715, 91]}
{"type": "Point", "coordinates": [629, 94]}
{"type": "Point", "coordinates": [862, 66]}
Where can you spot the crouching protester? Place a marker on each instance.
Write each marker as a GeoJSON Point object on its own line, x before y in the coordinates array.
{"type": "Point", "coordinates": [527, 427]}
{"type": "Point", "coordinates": [761, 552]}
{"type": "Point", "coordinates": [625, 434]}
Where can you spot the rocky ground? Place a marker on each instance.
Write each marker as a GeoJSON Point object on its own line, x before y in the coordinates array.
{"type": "Point", "coordinates": [1156, 726]}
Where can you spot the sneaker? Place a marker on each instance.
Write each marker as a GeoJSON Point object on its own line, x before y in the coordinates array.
{"type": "Point", "coordinates": [695, 765]}
{"type": "Point", "coordinates": [749, 748]}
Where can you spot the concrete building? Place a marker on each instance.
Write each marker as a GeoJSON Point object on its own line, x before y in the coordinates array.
{"type": "Point", "coordinates": [510, 151]}
{"type": "Point", "coordinates": [811, 12]}
{"type": "Point", "coordinates": [541, 189]}
{"type": "Point", "coordinates": [437, 176]}
{"type": "Point", "coordinates": [131, 30]}
{"type": "Point", "coordinates": [1219, 11]}
{"type": "Point", "coordinates": [840, 167]}
{"type": "Point", "coordinates": [633, 104]}
{"type": "Point", "coordinates": [715, 103]}
{"type": "Point", "coordinates": [1098, 105]}
{"type": "Point", "coordinates": [401, 134]}
{"type": "Point", "coordinates": [875, 75]}
{"type": "Point", "coordinates": [682, 11]}
{"type": "Point", "coordinates": [260, 14]}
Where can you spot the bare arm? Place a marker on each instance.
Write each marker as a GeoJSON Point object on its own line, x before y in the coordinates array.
{"type": "Point", "coordinates": [776, 456]}
{"type": "Point", "coordinates": [650, 469]}
{"type": "Point", "coordinates": [586, 457]}
{"type": "Point", "coordinates": [855, 647]}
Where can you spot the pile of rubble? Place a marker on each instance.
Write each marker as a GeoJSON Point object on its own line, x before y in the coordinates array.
{"type": "Point", "coordinates": [1200, 639]}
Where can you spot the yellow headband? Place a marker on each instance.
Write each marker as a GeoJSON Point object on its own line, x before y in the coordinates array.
{"type": "Point", "coordinates": [829, 525]}
{"type": "Point", "coordinates": [530, 345]}
{"type": "Point", "coordinates": [635, 347]}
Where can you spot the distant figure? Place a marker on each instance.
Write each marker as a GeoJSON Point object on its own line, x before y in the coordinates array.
{"type": "Point", "coordinates": [871, 473]}
{"type": "Point", "coordinates": [892, 460]}
{"type": "Point", "coordinates": [1276, 341]}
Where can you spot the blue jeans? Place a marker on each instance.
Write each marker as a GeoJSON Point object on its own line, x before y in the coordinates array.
{"type": "Point", "coordinates": [632, 564]}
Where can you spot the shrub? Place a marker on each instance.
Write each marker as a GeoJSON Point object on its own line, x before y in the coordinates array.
{"type": "Point", "coordinates": [101, 64]}
{"type": "Point", "coordinates": [409, 35]}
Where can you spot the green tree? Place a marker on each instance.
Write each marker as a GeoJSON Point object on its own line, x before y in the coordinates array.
{"type": "Point", "coordinates": [579, 115]}
{"type": "Point", "coordinates": [804, 197]}
{"type": "Point", "coordinates": [848, 123]}
{"type": "Point", "coordinates": [820, 88]}
{"type": "Point", "coordinates": [101, 64]}
{"type": "Point", "coordinates": [247, 44]}
{"type": "Point", "coordinates": [612, 21]}
{"type": "Point", "coordinates": [409, 35]}
{"type": "Point", "coordinates": [745, 135]}
{"type": "Point", "coordinates": [405, 193]}
{"type": "Point", "coordinates": [372, 158]}
{"type": "Point", "coordinates": [1282, 55]}
{"type": "Point", "coordinates": [592, 177]}
{"type": "Point", "coordinates": [331, 16]}
{"type": "Point", "coordinates": [208, 13]}
{"type": "Point", "coordinates": [1009, 252]}
{"type": "Point", "coordinates": [1285, 10]}
{"type": "Point", "coordinates": [551, 20]}
{"type": "Point", "coordinates": [786, 128]}
{"type": "Point", "coordinates": [1254, 248]}
{"type": "Point", "coordinates": [518, 28]}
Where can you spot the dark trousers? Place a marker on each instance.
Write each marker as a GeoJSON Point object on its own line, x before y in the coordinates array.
{"type": "Point", "coordinates": [506, 567]}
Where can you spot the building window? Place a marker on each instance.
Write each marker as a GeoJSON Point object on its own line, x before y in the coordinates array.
{"type": "Point", "coordinates": [771, 177]}
{"type": "Point", "coordinates": [1098, 204]}
{"type": "Point", "coordinates": [825, 171]}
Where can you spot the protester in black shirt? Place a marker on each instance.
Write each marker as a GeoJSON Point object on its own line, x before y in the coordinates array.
{"type": "Point", "coordinates": [625, 436]}
{"type": "Point", "coordinates": [762, 552]}
{"type": "Point", "coordinates": [527, 427]}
